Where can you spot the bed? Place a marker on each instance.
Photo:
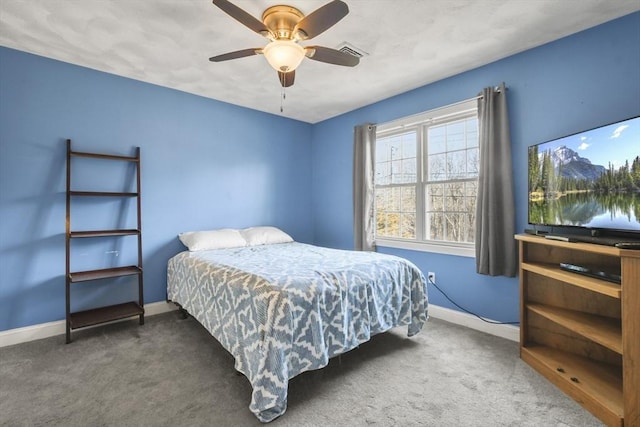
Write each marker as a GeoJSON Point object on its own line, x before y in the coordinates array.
{"type": "Point", "coordinates": [284, 308]}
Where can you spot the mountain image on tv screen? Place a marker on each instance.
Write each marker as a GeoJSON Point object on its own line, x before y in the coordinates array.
{"type": "Point", "coordinates": [589, 179]}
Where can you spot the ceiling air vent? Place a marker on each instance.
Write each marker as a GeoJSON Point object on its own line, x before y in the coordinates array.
{"type": "Point", "coordinates": [352, 50]}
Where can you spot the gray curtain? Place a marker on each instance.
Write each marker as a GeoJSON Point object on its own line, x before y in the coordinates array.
{"type": "Point", "coordinates": [496, 253]}
{"type": "Point", "coordinates": [363, 187]}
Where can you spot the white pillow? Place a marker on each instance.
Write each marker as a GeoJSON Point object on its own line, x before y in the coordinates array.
{"type": "Point", "coordinates": [264, 235]}
{"type": "Point", "coordinates": [212, 239]}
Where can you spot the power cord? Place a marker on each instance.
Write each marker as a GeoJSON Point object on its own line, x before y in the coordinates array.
{"type": "Point", "coordinates": [468, 311]}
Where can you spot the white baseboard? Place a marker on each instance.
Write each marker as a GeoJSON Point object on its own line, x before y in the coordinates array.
{"type": "Point", "coordinates": [50, 329]}
{"type": "Point", "coordinates": [509, 332]}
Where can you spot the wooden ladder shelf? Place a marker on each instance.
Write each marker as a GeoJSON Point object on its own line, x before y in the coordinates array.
{"type": "Point", "coordinates": [80, 319]}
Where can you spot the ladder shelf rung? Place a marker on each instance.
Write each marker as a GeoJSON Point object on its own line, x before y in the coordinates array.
{"type": "Point", "coordinates": [81, 319]}
{"type": "Point", "coordinates": [106, 273]}
{"type": "Point", "coordinates": [103, 233]}
{"type": "Point", "coordinates": [104, 156]}
{"type": "Point", "coordinates": [103, 193]}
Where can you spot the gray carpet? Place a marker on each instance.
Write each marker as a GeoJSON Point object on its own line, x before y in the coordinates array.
{"type": "Point", "coordinates": [172, 372]}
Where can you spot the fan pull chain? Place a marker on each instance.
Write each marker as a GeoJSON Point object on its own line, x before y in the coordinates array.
{"type": "Point", "coordinates": [282, 98]}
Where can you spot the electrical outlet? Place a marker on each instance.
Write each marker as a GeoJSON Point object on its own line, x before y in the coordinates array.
{"type": "Point", "coordinates": [431, 277]}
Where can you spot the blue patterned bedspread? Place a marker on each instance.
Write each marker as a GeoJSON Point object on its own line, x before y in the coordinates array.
{"type": "Point", "coordinates": [287, 308]}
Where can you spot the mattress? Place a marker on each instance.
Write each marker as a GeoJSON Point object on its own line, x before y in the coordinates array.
{"type": "Point", "coordinates": [283, 309]}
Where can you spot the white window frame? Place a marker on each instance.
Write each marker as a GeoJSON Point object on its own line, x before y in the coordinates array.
{"type": "Point", "coordinates": [416, 123]}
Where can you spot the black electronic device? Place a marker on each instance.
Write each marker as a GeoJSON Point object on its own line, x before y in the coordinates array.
{"type": "Point", "coordinates": [535, 232]}
{"type": "Point", "coordinates": [628, 245]}
{"type": "Point", "coordinates": [560, 237]}
{"type": "Point", "coordinates": [618, 242]}
{"type": "Point", "coordinates": [596, 272]}
{"type": "Point", "coordinates": [588, 183]}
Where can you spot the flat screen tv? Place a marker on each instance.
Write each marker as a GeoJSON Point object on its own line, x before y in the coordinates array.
{"type": "Point", "coordinates": [589, 180]}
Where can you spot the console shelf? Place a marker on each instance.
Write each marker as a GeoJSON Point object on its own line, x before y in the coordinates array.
{"type": "Point", "coordinates": [555, 272]}
{"type": "Point", "coordinates": [592, 384]}
{"type": "Point", "coordinates": [582, 333]}
{"type": "Point", "coordinates": [602, 330]}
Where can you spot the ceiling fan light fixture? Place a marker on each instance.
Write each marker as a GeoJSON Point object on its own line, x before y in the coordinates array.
{"type": "Point", "coordinates": [284, 55]}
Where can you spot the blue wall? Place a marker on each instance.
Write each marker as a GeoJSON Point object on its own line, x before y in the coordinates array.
{"type": "Point", "coordinates": [582, 81]}
{"type": "Point", "coordinates": [205, 164]}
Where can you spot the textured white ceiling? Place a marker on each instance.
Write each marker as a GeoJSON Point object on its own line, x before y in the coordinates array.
{"type": "Point", "coordinates": [410, 43]}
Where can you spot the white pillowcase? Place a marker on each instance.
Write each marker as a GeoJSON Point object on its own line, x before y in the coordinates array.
{"type": "Point", "coordinates": [212, 239]}
{"type": "Point", "coordinates": [264, 236]}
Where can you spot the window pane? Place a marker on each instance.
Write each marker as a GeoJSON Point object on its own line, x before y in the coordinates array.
{"type": "Point", "coordinates": [408, 226]}
{"type": "Point", "coordinates": [383, 173]}
{"type": "Point", "coordinates": [454, 197]}
{"type": "Point", "coordinates": [392, 225]}
{"type": "Point", "coordinates": [454, 226]}
{"type": "Point", "coordinates": [458, 140]}
{"type": "Point", "coordinates": [382, 150]}
{"type": "Point", "coordinates": [434, 198]}
{"type": "Point", "coordinates": [379, 223]}
{"type": "Point", "coordinates": [396, 171]}
{"type": "Point", "coordinates": [380, 200]}
{"type": "Point", "coordinates": [471, 228]}
{"type": "Point", "coordinates": [450, 211]}
{"type": "Point", "coordinates": [394, 199]}
{"type": "Point", "coordinates": [437, 140]}
{"type": "Point", "coordinates": [456, 136]}
{"type": "Point", "coordinates": [435, 231]}
{"type": "Point", "coordinates": [473, 162]}
{"type": "Point", "coordinates": [472, 132]}
{"type": "Point", "coordinates": [471, 191]}
{"type": "Point", "coordinates": [384, 224]}
{"type": "Point", "coordinates": [409, 145]}
{"type": "Point", "coordinates": [396, 161]}
{"type": "Point", "coordinates": [408, 171]}
{"type": "Point", "coordinates": [408, 199]}
{"type": "Point", "coordinates": [387, 200]}
{"type": "Point", "coordinates": [437, 167]}
{"type": "Point", "coordinates": [396, 212]}
{"type": "Point", "coordinates": [456, 165]}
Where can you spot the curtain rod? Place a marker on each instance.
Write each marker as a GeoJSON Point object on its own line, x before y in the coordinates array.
{"type": "Point", "coordinates": [496, 88]}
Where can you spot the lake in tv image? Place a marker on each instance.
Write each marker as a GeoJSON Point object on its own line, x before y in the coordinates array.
{"type": "Point", "coordinates": [589, 179]}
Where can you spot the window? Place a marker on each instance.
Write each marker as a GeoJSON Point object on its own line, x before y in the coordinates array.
{"type": "Point", "coordinates": [426, 180]}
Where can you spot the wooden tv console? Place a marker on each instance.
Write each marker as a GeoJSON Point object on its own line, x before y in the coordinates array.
{"type": "Point", "coordinates": [583, 333]}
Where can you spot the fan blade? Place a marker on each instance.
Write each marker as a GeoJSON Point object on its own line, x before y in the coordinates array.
{"type": "Point", "coordinates": [286, 79]}
{"type": "Point", "coordinates": [320, 20]}
{"type": "Point", "coordinates": [243, 17]}
{"type": "Point", "coordinates": [331, 56]}
{"type": "Point", "coordinates": [235, 55]}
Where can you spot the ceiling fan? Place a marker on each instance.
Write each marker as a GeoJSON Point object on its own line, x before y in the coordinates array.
{"type": "Point", "coordinates": [285, 27]}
